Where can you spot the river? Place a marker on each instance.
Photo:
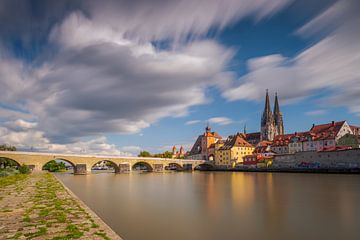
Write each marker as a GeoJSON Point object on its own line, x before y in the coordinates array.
{"type": "Point", "coordinates": [223, 205]}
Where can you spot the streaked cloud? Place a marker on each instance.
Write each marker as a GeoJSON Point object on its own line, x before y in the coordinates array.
{"type": "Point", "coordinates": [331, 64]}
{"type": "Point", "coordinates": [318, 112]}
{"type": "Point", "coordinates": [220, 120]}
{"type": "Point", "coordinates": [192, 122]}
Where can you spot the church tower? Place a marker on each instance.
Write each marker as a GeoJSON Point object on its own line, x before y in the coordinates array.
{"type": "Point", "coordinates": [268, 130]}
{"type": "Point", "coordinates": [278, 119]}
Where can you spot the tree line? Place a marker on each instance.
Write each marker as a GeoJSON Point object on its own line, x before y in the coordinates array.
{"type": "Point", "coordinates": [166, 154]}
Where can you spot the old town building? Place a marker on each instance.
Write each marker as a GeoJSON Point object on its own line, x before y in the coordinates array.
{"type": "Point", "coordinates": [232, 151]}
{"type": "Point", "coordinates": [204, 147]}
{"type": "Point", "coordinates": [280, 145]}
{"type": "Point", "coordinates": [178, 154]}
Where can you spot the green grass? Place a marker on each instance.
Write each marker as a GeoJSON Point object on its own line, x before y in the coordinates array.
{"type": "Point", "coordinates": [51, 208]}
{"type": "Point", "coordinates": [10, 180]}
{"type": "Point", "coordinates": [41, 232]}
{"type": "Point", "coordinates": [103, 235]}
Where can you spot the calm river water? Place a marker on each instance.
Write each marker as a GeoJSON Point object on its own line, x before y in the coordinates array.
{"type": "Point", "coordinates": [223, 205]}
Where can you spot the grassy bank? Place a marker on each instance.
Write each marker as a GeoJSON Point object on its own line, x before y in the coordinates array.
{"type": "Point", "coordinates": [37, 206]}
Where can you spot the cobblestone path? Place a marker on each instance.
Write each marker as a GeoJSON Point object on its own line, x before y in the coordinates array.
{"type": "Point", "coordinates": [39, 207]}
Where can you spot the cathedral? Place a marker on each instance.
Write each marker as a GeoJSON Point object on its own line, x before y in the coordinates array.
{"type": "Point", "coordinates": [271, 122]}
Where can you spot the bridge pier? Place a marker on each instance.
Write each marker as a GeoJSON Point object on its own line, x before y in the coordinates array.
{"type": "Point", "coordinates": [81, 169]}
{"type": "Point", "coordinates": [158, 167]}
{"type": "Point", "coordinates": [124, 168]}
{"type": "Point", "coordinates": [188, 167]}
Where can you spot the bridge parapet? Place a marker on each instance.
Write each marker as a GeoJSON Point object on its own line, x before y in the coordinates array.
{"type": "Point", "coordinates": [82, 164]}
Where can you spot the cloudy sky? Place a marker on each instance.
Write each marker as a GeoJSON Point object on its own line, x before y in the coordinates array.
{"type": "Point", "coordinates": [114, 77]}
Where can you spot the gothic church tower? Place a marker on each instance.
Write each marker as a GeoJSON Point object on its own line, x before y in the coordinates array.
{"type": "Point", "coordinates": [268, 130]}
{"type": "Point", "coordinates": [278, 119]}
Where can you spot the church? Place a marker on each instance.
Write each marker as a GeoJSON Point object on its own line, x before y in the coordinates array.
{"type": "Point", "coordinates": [271, 123]}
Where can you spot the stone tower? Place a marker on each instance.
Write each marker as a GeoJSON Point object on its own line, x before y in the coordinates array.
{"type": "Point", "coordinates": [278, 119]}
{"type": "Point", "coordinates": [268, 130]}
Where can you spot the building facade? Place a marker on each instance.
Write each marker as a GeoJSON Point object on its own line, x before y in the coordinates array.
{"type": "Point", "coordinates": [178, 154]}
{"type": "Point", "coordinates": [203, 149]}
{"type": "Point", "coordinates": [232, 152]}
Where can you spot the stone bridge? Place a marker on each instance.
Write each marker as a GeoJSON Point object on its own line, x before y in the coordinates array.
{"type": "Point", "coordinates": [82, 164]}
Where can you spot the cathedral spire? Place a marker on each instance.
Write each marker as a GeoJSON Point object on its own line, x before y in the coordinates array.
{"type": "Point", "coordinates": [279, 125]}
{"type": "Point", "coordinates": [267, 102]}
{"type": "Point", "coordinates": [267, 121]}
{"type": "Point", "coordinates": [276, 106]}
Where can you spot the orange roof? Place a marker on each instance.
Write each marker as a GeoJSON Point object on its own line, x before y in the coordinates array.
{"type": "Point", "coordinates": [212, 134]}
{"type": "Point", "coordinates": [333, 127]}
{"type": "Point", "coordinates": [235, 141]}
{"type": "Point", "coordinates": [282, 140]}
{"type": "Point", "coordinates": [264, 143]}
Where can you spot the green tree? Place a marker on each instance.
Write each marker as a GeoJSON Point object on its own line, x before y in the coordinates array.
{"type": "Point", "coordinates": [54, 166]}
{"type": "Point", "coordinates": [144, 154]}
{"type": "Point", "coordinates": [23, 169]}
{"type": "Point", "coordinates": [5, 147]}
{"type": "Point", "coordinates": [7, 163]}
{"type": "Point", "coordinates": [167, 154]}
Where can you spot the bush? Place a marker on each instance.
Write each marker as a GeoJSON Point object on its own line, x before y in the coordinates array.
{"type": "Point", "coordinates": [54, 166]}
{"type": "Point", "coordinates": [23, 169]}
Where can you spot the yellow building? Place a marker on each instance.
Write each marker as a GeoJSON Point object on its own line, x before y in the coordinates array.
{"type": "Point", "coordinates": [233, 151]}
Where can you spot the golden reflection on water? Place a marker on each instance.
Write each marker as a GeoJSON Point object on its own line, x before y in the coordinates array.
{"type": "Point", "coordinates": [224, 205]}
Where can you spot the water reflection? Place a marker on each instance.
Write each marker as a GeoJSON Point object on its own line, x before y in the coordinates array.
{"type": "Point", "coordinates": [216, 205]}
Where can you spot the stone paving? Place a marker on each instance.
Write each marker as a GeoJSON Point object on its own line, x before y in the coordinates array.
{"type": "Point", "coordinates": [39, 207]}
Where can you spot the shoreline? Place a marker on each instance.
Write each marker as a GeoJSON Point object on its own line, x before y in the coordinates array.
{"type": "Point", "coordinates": [40, 206]}
{"type": "Point", "coordinates": [311, 171]}
{"type": "Point", "coordinates": [109, 231]}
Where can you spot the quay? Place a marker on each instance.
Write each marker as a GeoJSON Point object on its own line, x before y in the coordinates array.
{"type": "Point", "coordinates": [39, 206]}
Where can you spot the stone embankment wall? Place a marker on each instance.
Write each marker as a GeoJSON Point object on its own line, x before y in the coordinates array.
{"type": "Point", "coordinates": [346, 159]}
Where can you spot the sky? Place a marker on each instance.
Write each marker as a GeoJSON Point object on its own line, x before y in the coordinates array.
{"type": "Point", "coordinates": [117, 77]}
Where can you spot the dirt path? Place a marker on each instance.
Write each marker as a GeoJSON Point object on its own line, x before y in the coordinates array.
{"type": "Point", "coordinates": [40, 207]}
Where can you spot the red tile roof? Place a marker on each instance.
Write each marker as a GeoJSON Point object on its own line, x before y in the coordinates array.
{"type": "Point", "coordinates": [235, 141]}
{"type": "Point", "coordinates": [212, 134]}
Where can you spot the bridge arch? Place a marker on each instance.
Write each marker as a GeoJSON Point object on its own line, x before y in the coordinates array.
{"type": "Point", "coordinates": [204, 166]}
{"type": "Point", "coordinates": [112, 164]}
{"type": "Point", "coordinates": [73, 165]}
{"type": "Point", "coordinates": [174, 166]}
{"type": "Point", "coordinates": [141, 165]}
{"type": "Point", "coordinates": [8, 162]}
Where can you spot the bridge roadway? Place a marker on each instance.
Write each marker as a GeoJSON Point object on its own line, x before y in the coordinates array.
{"type": "Point", "coordinates": [82, 164]}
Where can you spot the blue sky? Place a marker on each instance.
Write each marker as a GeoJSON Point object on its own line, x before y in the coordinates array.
{"type": "Point", "coordinates": [118, 77]}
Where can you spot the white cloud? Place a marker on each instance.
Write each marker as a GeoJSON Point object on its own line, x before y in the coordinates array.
{"type": "Point", "coordinates": [106, 75]}
{"type": "Point", "coordinates": [191, 122]}
{"type": "Point", "coordinates": [318, 112]}
{"type": "Point", "coordinates": [220, 120]}
{"type": "Point", "coordinates": [28, 138]}
{"type": "Point", "coordinates": [331, 64]}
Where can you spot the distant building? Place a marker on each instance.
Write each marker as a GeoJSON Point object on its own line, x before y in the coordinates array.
{"type": "Point", "coordinates": [252, 138]}
{"type": "Point", "coordinates": [325, 136]}
{"type": "Point", "coordinates": [296, 142]}
{"type": "Point", "coordinates": [271, 123]}
{"type": "Point", "coordinates": [232, 151]}
{"type": "Point", "coordinates": [261, 156]}
{"type": "Point", "coordinates": [203, 147]}
{"type": "Point", "coordinates": [280, 145]}
{"type": "Point", "coordinates": [178, 154]}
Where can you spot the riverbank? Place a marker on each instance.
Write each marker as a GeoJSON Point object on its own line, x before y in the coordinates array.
{"type": "Point", "coordinates": [39, 206]}
{"type": "Point", "coordinates": [290, 170]}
